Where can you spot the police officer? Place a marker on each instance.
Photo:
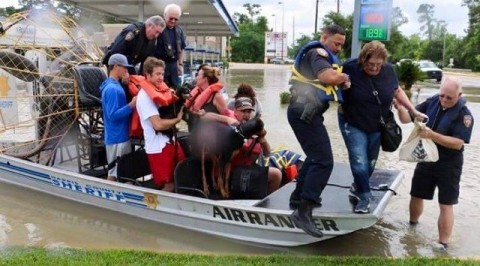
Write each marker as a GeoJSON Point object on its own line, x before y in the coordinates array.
{"type": "Point", "coordinates": [315, 80]}
{"type": "Point", "coordinates": [170, 45]}
{"type": "Point", "coordinates": [450, 126]}
{"type": "Point", "coordinates": [136, 41]}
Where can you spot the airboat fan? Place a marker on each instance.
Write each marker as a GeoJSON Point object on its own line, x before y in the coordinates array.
{"type": "Point", "coordinates": [40, 101]}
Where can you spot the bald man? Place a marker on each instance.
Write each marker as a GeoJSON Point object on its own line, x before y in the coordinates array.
{"type": "Point", "coordinates": [450, 126]}
{"type": "Point", "coordinates": [170, 45]}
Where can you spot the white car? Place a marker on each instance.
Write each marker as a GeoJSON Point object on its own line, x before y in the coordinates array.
{"type": "Point", "coordinates": [432, 70]}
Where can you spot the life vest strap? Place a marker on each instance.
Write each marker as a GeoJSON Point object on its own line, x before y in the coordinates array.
{"type": "Point", "coordinates": [329, 90]}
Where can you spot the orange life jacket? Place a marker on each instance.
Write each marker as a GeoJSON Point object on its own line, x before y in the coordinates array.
{"type": "Point", "coordinates": [161, 95]}
{"type": "Point", "coordinates": [199, 98]}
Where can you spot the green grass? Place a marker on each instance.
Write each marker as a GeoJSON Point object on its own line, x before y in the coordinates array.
{"type": "Point", "coordinates": [35, 256]}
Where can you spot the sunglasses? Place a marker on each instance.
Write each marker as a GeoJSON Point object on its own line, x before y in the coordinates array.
{"type": "Point", "coordinates": [173, 19]}
{"type": "Point", "coordinates": [446, 96]}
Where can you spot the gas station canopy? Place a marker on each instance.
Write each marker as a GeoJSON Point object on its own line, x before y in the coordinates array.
{"type": "Point", "coordinates": [199, 17]}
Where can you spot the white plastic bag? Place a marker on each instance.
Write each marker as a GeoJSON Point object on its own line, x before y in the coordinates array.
{"type": "Point", "coordinates": [417, 149]}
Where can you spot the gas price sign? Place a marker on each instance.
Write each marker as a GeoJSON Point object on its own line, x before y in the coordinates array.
{"type": "Point", "coordinates": [375, 17]}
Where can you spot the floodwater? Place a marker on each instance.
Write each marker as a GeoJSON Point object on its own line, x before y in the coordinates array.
{"type": "Point", "coordinates": [29, 218]}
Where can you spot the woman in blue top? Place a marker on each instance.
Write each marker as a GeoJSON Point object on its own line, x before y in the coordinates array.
{"type": "Point", "coordinates": [359, 114]}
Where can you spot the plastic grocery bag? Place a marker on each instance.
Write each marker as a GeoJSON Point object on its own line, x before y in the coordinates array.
{"type": "Point", "coordinates": [417, 149]}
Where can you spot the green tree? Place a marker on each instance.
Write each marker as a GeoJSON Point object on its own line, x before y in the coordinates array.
{"type": "Point", "coordinates": [347, 23]}
{"type": "Point", "coordinates": [426, 16]}
{"type": "Point", "coordinates": [408, 74]}
{"type": "Point", "coordinates": [252, 9]}
{"type": "Point", "coordinates": [470, 53]}
{"type": "Point", "coordinates": [250, 45]}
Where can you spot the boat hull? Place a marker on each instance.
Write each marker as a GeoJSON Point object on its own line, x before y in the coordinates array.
{"type": "Point", "coordinates": [264, 222]}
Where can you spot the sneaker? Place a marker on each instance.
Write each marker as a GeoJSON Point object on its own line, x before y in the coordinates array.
{"type": "Point", "coordinates": [363, 206]}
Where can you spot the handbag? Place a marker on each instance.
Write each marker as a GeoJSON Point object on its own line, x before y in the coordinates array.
{"type": "Point", "coordinates": [390, 131]}
{"type": "Point", "coordinates": [249, 181]}
{"type": "Point", "coordinates": [417, 149]}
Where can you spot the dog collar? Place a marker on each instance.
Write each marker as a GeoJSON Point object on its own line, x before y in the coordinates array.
{"type": "Point", "coordinates": [239, 133]}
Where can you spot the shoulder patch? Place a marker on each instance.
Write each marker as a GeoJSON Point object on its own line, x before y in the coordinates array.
{"type": "Point", "coordinates": [467, 120]}
{"type": "Point", "coordinates": [322, 52]}
{"type": "Point", "coordinates": [130, 35]}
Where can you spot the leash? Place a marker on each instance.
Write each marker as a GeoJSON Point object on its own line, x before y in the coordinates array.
{"type": "Point", "coordinates": [381, 187]}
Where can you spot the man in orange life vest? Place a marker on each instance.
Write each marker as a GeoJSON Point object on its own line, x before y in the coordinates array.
{"type": "Point", "coordinates": [161, 151]}
{"type": "Point", "coordinates": [116, 112]}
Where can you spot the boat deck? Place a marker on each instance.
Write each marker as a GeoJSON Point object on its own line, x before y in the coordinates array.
{"type": "Point", "coordinates": [335, 197]}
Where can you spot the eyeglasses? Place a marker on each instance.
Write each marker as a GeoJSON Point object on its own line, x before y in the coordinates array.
{"type": "Point", "coordinates": [446, 96]}
{"type": "Point", "coordinates": [372, 65]}
{"type": "Point", "coordinates": [173, 19]}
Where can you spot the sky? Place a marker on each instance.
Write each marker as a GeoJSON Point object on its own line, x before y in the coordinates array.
{"type": "Point", "coordinates": [300, 14]}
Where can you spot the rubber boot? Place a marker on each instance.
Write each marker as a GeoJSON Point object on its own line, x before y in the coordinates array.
{"type": "Point", "coordinates": [295, 196]}
{"type": "Point", "coordinates": [295, 199]}
{"type": "Point", "coordinates": [302, 218]}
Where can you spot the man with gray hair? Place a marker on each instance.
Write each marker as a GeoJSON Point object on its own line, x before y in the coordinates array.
{"type": "Point", "coordinates": [170, 45]}
{"type": "Point", "coordinates": [450, 126]}
{"type": "Point", "coordinates": [136, 41]}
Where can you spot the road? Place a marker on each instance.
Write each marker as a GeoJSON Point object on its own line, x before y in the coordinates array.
{"type": "Point", "coordinates": [468, 79]}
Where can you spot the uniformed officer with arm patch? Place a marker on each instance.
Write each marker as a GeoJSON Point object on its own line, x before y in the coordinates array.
{"type": "Point", "coordinates": [315, 81]}
{"type": "Point", "coordinates": [136, 41]}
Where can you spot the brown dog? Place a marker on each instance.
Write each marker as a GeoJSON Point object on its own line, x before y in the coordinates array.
{"type": "Point", "coordinates": [220, 143]}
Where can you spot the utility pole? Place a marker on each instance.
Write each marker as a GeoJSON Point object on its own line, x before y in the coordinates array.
{"type": "Point", "coordinates": [293, 32]}
{"type": "Point", "coordinates": [338, 6]}
{"type": "Point", "coordinates": [283, 23]}
{"type": "Point", "coordinates": [275, 37]}
{"type": "Point", "coordinates": [316, 16]}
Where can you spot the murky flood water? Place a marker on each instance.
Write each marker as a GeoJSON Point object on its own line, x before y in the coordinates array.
{"type": "Point", "coordinates": [30, 218]}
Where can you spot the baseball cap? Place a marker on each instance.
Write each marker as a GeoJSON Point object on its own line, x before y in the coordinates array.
{"type": "Point", "coordinates": [244, 103]}
{"type": "Point", "coordinates": [118, 59]}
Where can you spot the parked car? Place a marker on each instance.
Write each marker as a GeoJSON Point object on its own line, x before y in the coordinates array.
{"type": "Point", "coordinates": [282, 61]}
{"type": "Point", "coordinates": [432, 70]}
{"type": "Point", "coordinates": [277, 61]}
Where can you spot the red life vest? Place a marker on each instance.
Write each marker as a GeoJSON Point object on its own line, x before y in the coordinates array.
{"type": "Point", "coordinates": [161, 95]}
{"type": "Point", "coordinates": [244, 157]}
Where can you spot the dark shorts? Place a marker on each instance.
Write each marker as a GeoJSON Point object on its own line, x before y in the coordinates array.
{"type": "Point", "coordinates": [428, 176]}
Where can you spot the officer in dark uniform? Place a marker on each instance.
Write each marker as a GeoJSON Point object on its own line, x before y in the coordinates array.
{"type": "Point", "coordinates": [136, 41]}
{"type": "Point", "coordinates": [450, 126]}
{"type": "Point", "coordinates": [314, 82]}
{"type": "Point", "coordinates": [170, 45]}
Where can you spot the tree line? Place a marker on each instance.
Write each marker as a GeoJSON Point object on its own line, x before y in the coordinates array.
{"type": "Point", "coordinates": [432, 42]}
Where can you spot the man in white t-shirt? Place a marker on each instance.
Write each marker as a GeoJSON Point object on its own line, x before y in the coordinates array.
{"type": "Point", "coordinates": [158, 146]}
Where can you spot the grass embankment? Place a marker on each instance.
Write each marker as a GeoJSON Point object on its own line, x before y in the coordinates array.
{"type": "Point", "coordinates": [118, 257]}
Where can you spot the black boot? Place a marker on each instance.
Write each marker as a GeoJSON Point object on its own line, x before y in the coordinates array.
{"type": "Point", "coordinates": [295, 200]}
{"type": "Point", "coordinates": [302, 218]}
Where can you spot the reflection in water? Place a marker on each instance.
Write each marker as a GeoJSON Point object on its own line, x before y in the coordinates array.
{"type": "Point", "coordinates": [31, 218]}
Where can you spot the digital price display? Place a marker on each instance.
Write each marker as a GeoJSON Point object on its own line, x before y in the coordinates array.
{"type": "Point", "coordinates": [375, 17]}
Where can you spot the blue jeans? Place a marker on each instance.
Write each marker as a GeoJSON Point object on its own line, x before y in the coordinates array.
{"type": "Point", "coordinates": [314, 140]}
{"type": "Point", "coordinates": [363, 149]}
{"type": "Point", "coordinates": [171, 74]}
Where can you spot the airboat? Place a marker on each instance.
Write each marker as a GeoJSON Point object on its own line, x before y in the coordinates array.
{"type": "Point", "coordinates": [51, 141]}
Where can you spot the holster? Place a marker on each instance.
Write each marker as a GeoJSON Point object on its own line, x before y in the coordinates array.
{"type": "Point", "coordinates": [312, 105]}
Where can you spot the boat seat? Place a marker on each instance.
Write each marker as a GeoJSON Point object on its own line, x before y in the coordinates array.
{"type": "Point", "coordinates": [89, 78]}
{"type": "Point", "coordinates": [132, 166]}
{"type": "Point", "coordinates": [188, 178]}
